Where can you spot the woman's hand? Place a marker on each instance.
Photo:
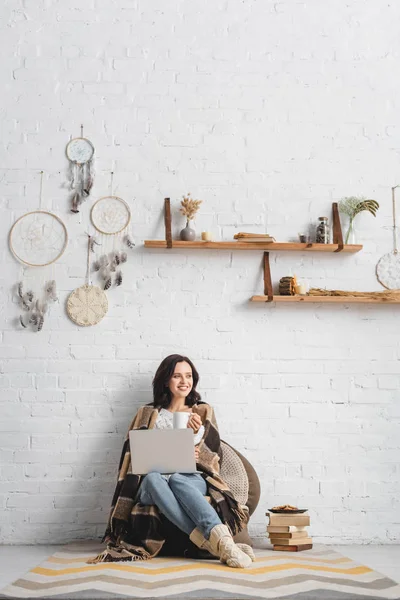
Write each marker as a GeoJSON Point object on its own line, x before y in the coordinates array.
{"type": "Point", "coordinates": [194, 422]}
{"type": "Point", "coordinates": [196, 453]}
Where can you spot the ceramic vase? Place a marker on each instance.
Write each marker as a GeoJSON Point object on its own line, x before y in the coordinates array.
{"type": "Point", "coordinates": [188, 234]}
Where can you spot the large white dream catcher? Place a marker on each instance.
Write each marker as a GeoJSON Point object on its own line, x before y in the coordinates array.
{"type": "Point", "coordinates": [111, 217]}
{"type": "Point", "coordinates": [88, 304]}
{"type": "Point", "coordinates": [388, 267]}
{"type": "Point", "coordinates": [37, 240]}
{"type": "Point", "coordinates": [80, 152]}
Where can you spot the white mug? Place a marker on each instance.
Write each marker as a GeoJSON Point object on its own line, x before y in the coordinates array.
{"type": "Point", "coordinates": [180, 420]}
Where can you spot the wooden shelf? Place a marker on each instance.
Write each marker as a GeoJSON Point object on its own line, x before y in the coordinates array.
{"type": "Point", "coordinates": [274, 246]}
{"type": "Point", "coordinates": [326, 299]}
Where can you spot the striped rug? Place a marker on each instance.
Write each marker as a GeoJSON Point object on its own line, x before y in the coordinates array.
{"type": "Point", "coordinates": [317, 574]}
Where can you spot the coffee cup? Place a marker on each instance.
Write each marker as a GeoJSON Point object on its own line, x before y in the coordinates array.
{"type": "Point", "coordinates": [180, 420]}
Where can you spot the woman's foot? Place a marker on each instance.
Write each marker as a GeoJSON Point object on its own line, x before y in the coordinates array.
{"type": "Point", "coordinates": [221, 544]}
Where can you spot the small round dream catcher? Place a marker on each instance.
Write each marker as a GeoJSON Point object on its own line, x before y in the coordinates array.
{"type": "Point", "coordinates": [80, 152]}
{"type": "Point", "coordinates": [88, 304]}
{"type": "Point", "coordinates": [388, 267]}
{"type": "Point", "coordinates": [111, 217]}
{"type": "Point", "coordinates": [37, 240]}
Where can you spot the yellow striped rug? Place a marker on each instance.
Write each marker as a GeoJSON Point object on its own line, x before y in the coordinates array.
{"type": "Point", "coordinates": [317, 574]}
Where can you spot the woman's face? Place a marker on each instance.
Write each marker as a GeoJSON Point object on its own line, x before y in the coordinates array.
{"type": "Point", "coordinates": [181, 381]}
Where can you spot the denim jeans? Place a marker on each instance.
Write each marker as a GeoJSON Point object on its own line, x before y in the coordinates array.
{"type": "Point", "coordinates": [181, 499]}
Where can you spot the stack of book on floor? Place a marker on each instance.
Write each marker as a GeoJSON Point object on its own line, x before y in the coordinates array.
{"type": "Point", "coordinates": [261, 238]}
{"type": "Point", "coordinates": [289, 531]}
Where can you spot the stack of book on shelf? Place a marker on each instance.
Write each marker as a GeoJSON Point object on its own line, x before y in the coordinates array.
{"type": "Point", "coordinates": [287, 530]}
{"type": "Point", "coordinates": [261, 238]}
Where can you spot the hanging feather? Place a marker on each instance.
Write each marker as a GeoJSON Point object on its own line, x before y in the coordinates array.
{"type": "Point", "coordinates": [20, 289]}
{"type": "Point", "coordinates": [117, 259]}
{"type": "Point", "coordinates": [129, 242]}
{"type": "Point", "coordinates": [34, 318]}
{"type": "Point", "coordinates": [75, 202]}
{"type": "Point", "coordinates": [40, 323]}
{"type": "Point", "coordinates": [123, 257]}
{"type": "Point", "coordinates": [103, 260]}
{"type": "Point", "coordinates": [21, 320]}
{"type": "Point", "coordinates": [118, 278]}
{"type": "Point", "coordinates": [96, 266]}
{"type": "Point", "coordinates": [105, 273]}
{"type": "Point", "coordinates": [107, 283]}
{"type": "Point", "coordinates": [93, 243]}
{"type": "Point", "coordinates": [30, 295]}
{"type": "Point", "coordinates": [26, 305]}
{"type": "Point", "coordinates": [51, 290]}
{"type": "Point", "coordinates": [113, 267]}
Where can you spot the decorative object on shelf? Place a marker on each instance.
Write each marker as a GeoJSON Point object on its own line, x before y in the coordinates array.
{"type": "Point", "coordinates": [189, 208]}
{"type": "Point", "coordinates": [206, 236]}
{"type": "Point", "coordinates": [254, 237]}
{"type": "Point", "coordinates": [80, 152]}
{"type": "Point", "coordinates": [391, 295]}
{"type": "Point", "coordinates": [352, 206]}
{"type": "Point", "coordinates": [287, 286]}
{"type": "Point", "coordinates": [37, 240]}
{"type": "Point", "coordinates": [388, 267]}
{"type": "Point", "coordinates": [111, 217]}
{"type": "Point", "coordinates": [322, 233]}
{"type": "Point", "coordinates": [303, 238]}
{"type": "Point", "coordinates": [88, 304]}
{"type": "Point", "coordinates": [301, 287]}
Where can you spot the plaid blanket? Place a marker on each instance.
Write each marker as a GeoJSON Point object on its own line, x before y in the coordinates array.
{"type": "Point", "coordinates": [134, 531]}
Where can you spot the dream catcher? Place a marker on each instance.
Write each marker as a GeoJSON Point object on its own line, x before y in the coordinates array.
{"type": "Point", "coordinates": [388, 267]}
{"type": "Point", "coordinates": [37, 240]}
{"type": "Point", "coordinates": [88, 304]}
{"type": "Point", "coordinates": [111, 217]}
{"type": "Point", "coordinates": [80, 152]}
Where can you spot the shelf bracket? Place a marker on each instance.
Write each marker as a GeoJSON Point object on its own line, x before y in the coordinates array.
{"type": "Point", "coordinates": [167, 220]}
{"type": "Point", "coordinates": [337, 229]}
{"type": "Point", "coordinates": [267, 278]}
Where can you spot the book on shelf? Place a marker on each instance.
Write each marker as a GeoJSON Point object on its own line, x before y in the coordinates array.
{"type": "Point", "coordinates": [297, 520]}
{"type": "Point", "coordinates": [298, 548]}
{"type": "Point", "coordinates": [253, 237]}
{"type": "Point", "coordinates": [285, 528]}
{"type": "Point", "coordinates": [290, 542]}
{"type": "Point", "coordinates": [295, 535]}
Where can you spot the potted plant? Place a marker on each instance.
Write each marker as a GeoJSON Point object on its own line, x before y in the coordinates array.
{"type": "Point", "coordinates": [189, 208]}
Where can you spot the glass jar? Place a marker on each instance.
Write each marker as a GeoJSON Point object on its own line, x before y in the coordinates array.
{"type": "Point", "coordinates": [322, 236]}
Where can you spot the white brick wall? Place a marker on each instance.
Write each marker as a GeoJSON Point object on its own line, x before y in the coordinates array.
{"type": "Point", "coordinates": [268, 111]}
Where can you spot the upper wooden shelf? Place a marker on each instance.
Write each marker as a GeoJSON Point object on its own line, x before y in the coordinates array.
{"type": "Point", "coordinates": [274, 246]}
{"type": "Point", "coordinates": [327, 299]}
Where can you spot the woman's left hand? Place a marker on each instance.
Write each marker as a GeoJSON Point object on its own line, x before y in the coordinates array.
{"type": "Point", "coordinates": [194, 422]}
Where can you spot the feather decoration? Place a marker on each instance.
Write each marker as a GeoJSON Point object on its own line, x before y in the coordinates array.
{"type": "Point", "coordinates": [26, 305]}
{"type": "Point", "coordinates": [51, 290]}
{"type": "Point", "coordinates": [103, 260]}
{"type": "Point", "coordinates": [75, 202]}
{"type": "Point", "coordinates": [30, 295]}
{"type": "Point", "coordinates": [93, 243]}
{"type": "Point", "coordinates": [107, 284]}
{"type": "Point", "coordinates": [105, 273]}
{"type": "Point", "coordinates": [96, 266]}
{"type": "Point", "coordinates": [20, 289]}
{"type": "Point", "coordinates": [123, 257]}
{"type": "Point", "coordinates": [129, 242]}
{"type": "Point", "coordinates": [34, 318]}
{"type": "Point", "coordinates": [118, 278]}
{"type": "Point", "coordinates": [113, 266]}
{"type": "Point", "coordinates": [21, 320]}
{"type": "Point", "coordinates": [117, 259]}
{"type": "Point", "coordinates": [40, 323]}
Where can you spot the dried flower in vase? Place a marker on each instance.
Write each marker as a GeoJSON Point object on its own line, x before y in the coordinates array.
{"type": "Point", "coordinates": [189, 207]}
{"type": "Point", "coordinates": [352, 206]}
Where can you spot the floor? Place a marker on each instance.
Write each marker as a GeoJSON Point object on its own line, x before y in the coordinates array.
{"type": "Point", "coordinates": [17, 560]}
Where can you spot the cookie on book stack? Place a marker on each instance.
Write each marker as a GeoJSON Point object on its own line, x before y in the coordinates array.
{"type": "Point", "coordinates": [287, 529]}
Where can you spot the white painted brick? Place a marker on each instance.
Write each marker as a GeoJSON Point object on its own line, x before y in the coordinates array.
{"type": "Point", "coordinates": [308, 393]}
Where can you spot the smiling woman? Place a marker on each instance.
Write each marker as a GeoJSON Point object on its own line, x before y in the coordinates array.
{"type": "Point", "coordinates": [200, 503]}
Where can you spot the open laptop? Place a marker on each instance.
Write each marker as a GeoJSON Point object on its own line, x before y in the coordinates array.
{"type": "Point", "coordinates": [162, 450]}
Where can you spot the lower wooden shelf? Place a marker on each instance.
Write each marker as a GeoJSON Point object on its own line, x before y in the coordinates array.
{"type": "Point", "coordinates": [326, 299]}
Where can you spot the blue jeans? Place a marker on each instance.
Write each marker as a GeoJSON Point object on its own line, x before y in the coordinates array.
{"type": "Point", "coordinates": [181, 499]}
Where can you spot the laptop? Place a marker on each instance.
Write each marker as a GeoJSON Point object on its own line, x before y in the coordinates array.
{"type": "Point", "coordinates": [162, 450]}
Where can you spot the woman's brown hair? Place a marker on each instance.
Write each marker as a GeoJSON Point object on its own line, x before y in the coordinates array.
{"type": "Point", "coordinates": [161, 392]}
